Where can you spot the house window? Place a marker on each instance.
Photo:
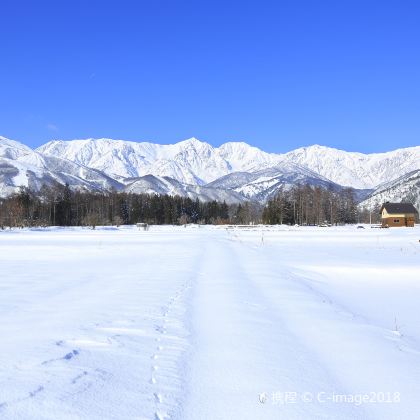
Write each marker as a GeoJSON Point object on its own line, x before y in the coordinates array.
{"type": "Point", "coordinates": [396, 220]}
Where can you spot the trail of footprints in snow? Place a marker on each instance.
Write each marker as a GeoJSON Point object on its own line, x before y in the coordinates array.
{"type": "Point", "coordinates": [162, 359]}
{"type": "Point", "coordinates": [40, 388]}
{"type": "Point", "coordinates": [67, 357]}
{"type": "Point", "coordinates": [159, 353]}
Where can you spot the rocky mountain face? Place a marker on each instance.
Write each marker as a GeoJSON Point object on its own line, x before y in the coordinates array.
{"type": "Point", "coordinates": [22, 166]}
{"type": "Point", "coordinates": [233, 172]}
{"type": "Point", "coordinates": [151, 184]}
{"type": "Point", "coordinates": [403, 189]}
{"type": "Point", "coordinates": [263, 184]}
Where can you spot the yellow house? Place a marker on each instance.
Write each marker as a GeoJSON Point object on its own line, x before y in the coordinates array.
{"type": "Point", "coordinates": [398, 214]}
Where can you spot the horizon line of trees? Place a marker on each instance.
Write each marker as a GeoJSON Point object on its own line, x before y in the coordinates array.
{"type": "Point", "coordinates": [61, 206]}
{"type": "Point", "coordinates": [307, 205]}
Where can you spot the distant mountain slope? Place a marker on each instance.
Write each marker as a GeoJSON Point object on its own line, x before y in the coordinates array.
{"type": "Point", "coordinates": [404, 189]}
{"type": "Point", "coordinates": [21, 166]}
{"type": "Point", "coordinates": [151, 184]}
{"type": "Point", "coordinates": [12, 149]}
{"type": "Point", "coordinates": [264, 184]}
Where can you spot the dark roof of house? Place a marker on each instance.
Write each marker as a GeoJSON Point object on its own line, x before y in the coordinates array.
{"type": "Point", "coordinates": [396, 208]}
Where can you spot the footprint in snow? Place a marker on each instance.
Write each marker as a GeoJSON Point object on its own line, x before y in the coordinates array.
{"type": "Point", "coordinates": [78, 377]}
{"type": "Point", "coordinates": [160, 329]}
{"type": "Point", "coordinates": [67, 356]}
{"type": "Point", "coordinates": [36, 391]}
{"type": "Point", "coordinates": [158, 397]}
{"type": "Point", "coordinates": [70, 355]}
{"type": "Point", "coordinates": [161, 416]}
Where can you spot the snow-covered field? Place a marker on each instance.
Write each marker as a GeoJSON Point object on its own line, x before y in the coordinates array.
{"type": "Point", "coordinates": [210, 323]}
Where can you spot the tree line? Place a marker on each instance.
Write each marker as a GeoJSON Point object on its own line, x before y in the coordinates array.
{"type": "Point", "coordinates": [307, 205]}
{"type": "Point", "coordinates": [61, 206]}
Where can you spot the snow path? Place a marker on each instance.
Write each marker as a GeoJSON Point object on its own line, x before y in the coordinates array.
{"type": "Point", "coordinates": [194, 324]}
{"type": "Point", "coordinates": [243, 346]}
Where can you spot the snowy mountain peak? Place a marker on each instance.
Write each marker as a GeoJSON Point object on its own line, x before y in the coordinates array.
{"type": "Point", "coordinates": [238, 147]}
{"type": "Point", "coordinates": [194, 142]}
{"type": "Point", "coordinates": [355, 169]}
{"type": "Point", "coordinates": [12, 149]}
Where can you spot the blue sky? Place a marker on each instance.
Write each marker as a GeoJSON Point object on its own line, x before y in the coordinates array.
{"type": "Point", "coordinates": [278, 75]}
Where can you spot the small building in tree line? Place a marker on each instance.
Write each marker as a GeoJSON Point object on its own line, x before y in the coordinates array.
{"type": "Point", "coordinates": [398, 214]}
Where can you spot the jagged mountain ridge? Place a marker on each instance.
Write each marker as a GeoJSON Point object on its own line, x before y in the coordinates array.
{"type": "Point", "coordinates": [354, 169]}
{"type": "Point", "coordinates": [195, 162]}
{"type": "Point", "coordinates": [233, 170]}
{"type": "Point", "coordinates": [189, 161]}
{"type": "Point", "coordinates": [22, 166]}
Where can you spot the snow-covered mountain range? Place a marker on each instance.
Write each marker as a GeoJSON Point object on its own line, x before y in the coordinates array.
{"type": "Point", "coordinates": [22, 166]}
{"type": "Point", "coordinates": [189, 161]}
{"type": "Point", "coordinates": [357, 170]}
{"type": "Point", "coordinates": [233, 172]}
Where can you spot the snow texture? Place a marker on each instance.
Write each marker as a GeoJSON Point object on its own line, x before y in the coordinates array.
{"type": "Point", "coordinates": [209, 323]}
